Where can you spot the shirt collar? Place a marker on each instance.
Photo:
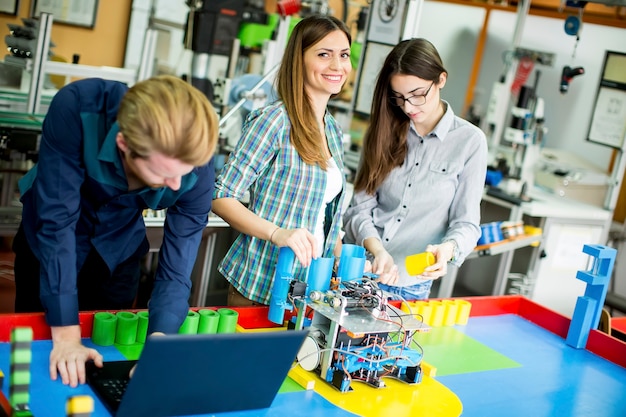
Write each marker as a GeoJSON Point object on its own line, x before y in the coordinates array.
{"type": "Point", "coordinates": [443, 127]}
{"type": "Point", "coordinates": [110, 153]}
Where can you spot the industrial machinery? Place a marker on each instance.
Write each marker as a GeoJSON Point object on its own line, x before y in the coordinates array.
{"type": "Point", "coordinates": [211, 30]}
{"type": "Point", "coordinates": [516, 153]}
{"type": "Point", "coordinates": [354, 333]}
{"type": "Point", "coordinates": [219, 56]}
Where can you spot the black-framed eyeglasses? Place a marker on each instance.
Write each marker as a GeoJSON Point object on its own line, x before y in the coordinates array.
{"type": "Point", "coordinates": [414, 100]}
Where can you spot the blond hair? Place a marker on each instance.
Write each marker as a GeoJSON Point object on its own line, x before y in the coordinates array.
{"type": "Point", "coordinates": [168, 115]}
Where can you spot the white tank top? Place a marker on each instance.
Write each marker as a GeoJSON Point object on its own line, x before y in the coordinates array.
{"type": "Point", "coordinates": [333, 187]}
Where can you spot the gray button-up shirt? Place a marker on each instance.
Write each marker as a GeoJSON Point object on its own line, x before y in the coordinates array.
{"type": "Point", "coordinates": [434, 196]}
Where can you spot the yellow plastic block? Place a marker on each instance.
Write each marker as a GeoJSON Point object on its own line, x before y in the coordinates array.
{"type": "Point", "coordinates": [79, 405]}
{"type": "Point", "coordinates": [240, 329]}
{"type": "Point", "coordinates": [408, 307]}
{"type": "Point", "coordinates": [436, 318]}
{"type": "Point", "coordinates": [450, 312]}
{"type": "Point", "coordinates": [463, 312]}
{"type": "Point", "coordinates": [424, 311]}
{"type": "Point", "coordinates": [428, 370]}
{"type": "Point", "coordinates": [301, 377]}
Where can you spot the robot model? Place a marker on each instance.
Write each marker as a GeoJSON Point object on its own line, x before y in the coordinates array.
{"type": "Point", "coordinates": [354, 333]}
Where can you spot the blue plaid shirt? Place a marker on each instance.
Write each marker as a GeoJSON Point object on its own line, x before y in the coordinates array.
{"type": "Point", "coordinates": [283, 189]}
{"type": "Point", "coordinates": [76, 198]}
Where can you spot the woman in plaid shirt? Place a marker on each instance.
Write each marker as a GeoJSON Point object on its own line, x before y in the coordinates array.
{"type": "Point", "coordinates": [289, 158]}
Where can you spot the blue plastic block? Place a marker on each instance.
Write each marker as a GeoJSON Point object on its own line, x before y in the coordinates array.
{"type": "Point", "coordinates": [591, 278]}
{"type": "Point", "coordinates": [598, 277]}
{"type": "Point", "coordinates": [580, 326]}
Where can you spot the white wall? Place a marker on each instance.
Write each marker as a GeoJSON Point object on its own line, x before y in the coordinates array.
{"type": "Point", "coordinates": [567, 115]}
{"type": "Point", "coordinates": [454, 30]}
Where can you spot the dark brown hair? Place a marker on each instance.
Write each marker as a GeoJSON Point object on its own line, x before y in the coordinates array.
{"type": "Point", "coordinates": [385, 140]}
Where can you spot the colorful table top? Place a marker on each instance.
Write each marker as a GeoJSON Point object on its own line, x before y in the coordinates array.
{"type": "Point", "coordinates": [510, 360]}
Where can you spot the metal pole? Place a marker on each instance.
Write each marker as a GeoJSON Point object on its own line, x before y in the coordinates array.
{"type": "Point", "coordinates": [146, 63]}
{"type": "Point", "coordinates": [413, 15]}
{"type": "Point", "coordinates": [41, 56]}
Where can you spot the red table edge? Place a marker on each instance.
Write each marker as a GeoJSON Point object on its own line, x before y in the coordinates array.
{"type": "Point", "coordinates": [603, 345]}
{"type": "Point", "coordinates": [599, 343]}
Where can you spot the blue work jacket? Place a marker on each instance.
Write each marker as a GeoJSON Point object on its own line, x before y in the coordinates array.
{"type": "Point", "coordinates": [76, 198]}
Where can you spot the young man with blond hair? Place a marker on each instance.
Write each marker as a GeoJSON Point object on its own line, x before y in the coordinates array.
{"type": "Point", "coordinates": [107, 153]}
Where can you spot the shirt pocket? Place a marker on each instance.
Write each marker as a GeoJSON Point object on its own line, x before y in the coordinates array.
{"type": "Point", "coordinates": [444, 173]}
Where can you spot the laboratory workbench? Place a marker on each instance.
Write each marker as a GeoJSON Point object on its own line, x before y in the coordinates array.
{"type": "Point", "coordinates": [547, 265]}
{"type": "Point", "coordinates": [510, 359]}
{"type": "Point", "coordinates": [503, 247]}
{"type": "Point", "coordinates": [546, 204]}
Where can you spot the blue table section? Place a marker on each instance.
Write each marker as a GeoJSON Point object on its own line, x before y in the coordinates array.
{"type": "Point", "coordinates": [554, 379]}
{"type": "Point", "coordinates": [537, 375]}
{"type": "Point", "coordinates": [48, 397]}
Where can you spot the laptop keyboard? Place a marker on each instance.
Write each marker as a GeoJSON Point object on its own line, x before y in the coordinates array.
{"type": "Point", "coordinates": [110, 381]}
{"type": "Point", "coordinates": [113, 389]}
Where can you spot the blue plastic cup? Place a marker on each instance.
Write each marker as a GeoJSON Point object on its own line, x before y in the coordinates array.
{"type": "Point", "coordinates": [351, 262]}
{"type": "Point", "coordinates": [349, 250]}
{"type": "Point", "coordinates": [320, 273]}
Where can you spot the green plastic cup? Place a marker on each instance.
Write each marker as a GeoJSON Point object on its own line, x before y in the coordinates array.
{"type": "Point", "coordinates": [190, 325]}
{"type": "Point", "coordinates": [209, 320]}
{"type": "Point", "coordinates": [228, 320]}
{"type": "Point", "coordinates": [104, 328]}
{"type": "Point", "coordinates": [127, 324]}
{"type": "Point", "coordinates": [142, 326]}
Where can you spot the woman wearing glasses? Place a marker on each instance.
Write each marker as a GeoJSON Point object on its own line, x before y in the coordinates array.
{"type": "Point", "coordinates": [421, 177]}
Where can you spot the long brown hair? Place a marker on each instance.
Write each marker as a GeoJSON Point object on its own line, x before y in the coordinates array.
{"type": "Point", "coordinates": [305, 136]}
{"type": "Point", "coordinates": [385, 140]}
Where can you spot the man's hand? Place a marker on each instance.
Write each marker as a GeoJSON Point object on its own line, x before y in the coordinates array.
{"type": "Point", "coordinates": [68, 355]}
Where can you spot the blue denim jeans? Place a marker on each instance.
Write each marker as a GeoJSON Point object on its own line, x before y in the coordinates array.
{"type": "Point", "coordinates": [419, 291]}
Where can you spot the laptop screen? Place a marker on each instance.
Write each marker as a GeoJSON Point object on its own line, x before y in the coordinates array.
{"type": "Point", "coordinates": [180, 375]}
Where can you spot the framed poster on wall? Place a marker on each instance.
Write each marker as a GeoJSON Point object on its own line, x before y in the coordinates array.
{"type": "Point", "coordinates": [71, 12]}
{"type": "Point", "coordinates": [375, 54]}
{"type": "Point", "coordinates": [608, 121]}
{"type": "Point", "coordinates": [9, 6]}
